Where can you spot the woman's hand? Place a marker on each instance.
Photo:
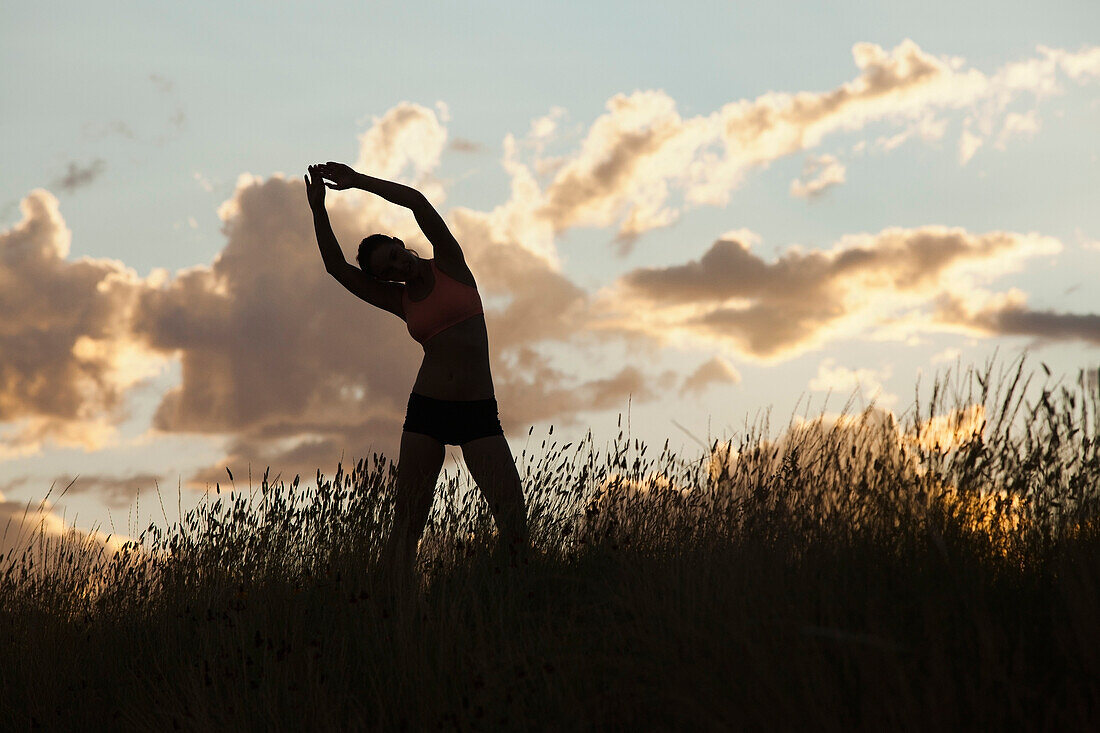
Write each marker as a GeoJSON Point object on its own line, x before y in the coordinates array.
{"type": "Point", "coordinates": [342, 176]}
{"type": "Point", "coordinates": [315, 188]}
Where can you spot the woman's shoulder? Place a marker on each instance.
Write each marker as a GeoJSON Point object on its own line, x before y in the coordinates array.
{"type": "Point", "coordinates": [456, 270]}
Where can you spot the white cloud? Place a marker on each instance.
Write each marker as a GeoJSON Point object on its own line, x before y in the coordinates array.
{"type": "Point", "coordinates": [1084, 240]}
{"type": "Point", "coordinates": [838, 378]}
{"type": "Point", "coordinates": [1017, 124]}
{"type": "Point", "coordinates": [968, 145]}
{"type": "Point", "coordinates": [204, 182]}
{"type": "Point", "coordinates": [948, 354]}
{"type": "Point", "coordinates": [641, 149]}
{"type": "Point", "coordinates": [821, 172]}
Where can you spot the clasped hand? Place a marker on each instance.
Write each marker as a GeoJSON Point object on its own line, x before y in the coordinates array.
{"type": "Point", "coordinates": [342, 177]}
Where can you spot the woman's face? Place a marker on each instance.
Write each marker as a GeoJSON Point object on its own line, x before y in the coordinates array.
{"type": "Point", "coordinates": [392, 261]}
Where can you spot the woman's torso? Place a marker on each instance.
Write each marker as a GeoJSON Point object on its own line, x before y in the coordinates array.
{"type": "Point", "coordinates": [456, 360]}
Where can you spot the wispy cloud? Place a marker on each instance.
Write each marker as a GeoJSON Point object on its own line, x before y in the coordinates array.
{"type": "Point", "coordinates": [818, 174]}
{"type": "Point", "coordinates": [177, 118]}
{"type": "Point", "coordinates": [462, 145]}
{"type": "Point", "coordinates": [78, 176]}
{"type": "Point", "coordinates": [968, 145]}
{"type": "Point", "coordinates": [714, 371]}
{"type": "Point", "coordinates": [833, 377]}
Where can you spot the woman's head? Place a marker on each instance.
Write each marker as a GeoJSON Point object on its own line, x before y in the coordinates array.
{"type": "Point", "coordinates": [386, 258]}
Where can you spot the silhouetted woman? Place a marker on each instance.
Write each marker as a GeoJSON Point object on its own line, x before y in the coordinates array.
{"type": "Point", "coordinates": [452, 401]}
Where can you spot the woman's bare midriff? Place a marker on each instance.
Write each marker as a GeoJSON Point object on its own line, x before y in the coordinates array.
{"type": "Point", "coordinates": [456, 363]}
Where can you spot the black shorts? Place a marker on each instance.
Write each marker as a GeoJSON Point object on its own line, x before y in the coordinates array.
{"type": "Point", "coordinates": [452, 421]}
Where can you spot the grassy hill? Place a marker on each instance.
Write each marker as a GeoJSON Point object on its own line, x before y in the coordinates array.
{"type": "Point", "coordinates": [852, 573]}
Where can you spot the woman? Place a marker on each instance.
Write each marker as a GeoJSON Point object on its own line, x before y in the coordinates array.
{"type": "Point", "coordinates": [452, 400]}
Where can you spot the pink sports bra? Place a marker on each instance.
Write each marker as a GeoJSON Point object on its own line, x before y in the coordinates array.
{"type": "Point", "coordinates": [448, 303]}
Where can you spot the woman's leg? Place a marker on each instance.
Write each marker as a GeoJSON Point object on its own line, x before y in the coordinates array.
{"type": "Point", "coordinates": [492, 467]}
{"type": "Point", "coordinates": [417, 472]}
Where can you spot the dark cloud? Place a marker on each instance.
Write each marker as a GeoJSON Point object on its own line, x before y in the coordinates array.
{"type": "Point", "coordinates": [266, 335]}
{"type": "Point", "coordinates": [462, 145]}
{"type": "Point", "coordinates": [117, 491]}
{"type": "Point", "coordinates": [1013, 318]}
{"type": "Point", "coordinates": [66, 355]}
{"type": "Point", "coordinates": [76, 176]}
{"type": "Point", "coordinates": [715, 371]}
{"type": "Point", "coordinates": [786, 306]}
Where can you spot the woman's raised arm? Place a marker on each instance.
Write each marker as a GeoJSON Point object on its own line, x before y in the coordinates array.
{"type": "Point", "coordinates": [344, 176]}
{"type": "Point", "coordinates": [431, 223]}
{"type": "Point", "coordinates": [326, 240]}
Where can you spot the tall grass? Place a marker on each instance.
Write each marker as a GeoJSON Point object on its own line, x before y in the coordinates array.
{"type": "Point", "coordinates": [848, 573]}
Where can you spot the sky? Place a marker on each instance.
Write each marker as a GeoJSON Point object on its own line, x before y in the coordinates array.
{"type": "Point", "coordinates": [679, 217]}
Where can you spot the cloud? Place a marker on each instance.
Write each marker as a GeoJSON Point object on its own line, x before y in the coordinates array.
{"type": "Point", "coordinates": [406, 135]}
{"type": "Point", "coordinates": [176, 120]}
{"type": "Point", "coordinates": [715, 371]}
{"type": "Point", "coordinates": [624, 162]}
{"type": "Point", "coordinates": [743, 234]}
{"type": "Point", "coordinates": [1084, 240]}
{"type": "Point", "coordinates": [1017, 124]}
{"type": "Point", "coordinates": [833, 377]}
{"type": "Point", "coordinates": [1007, 315]}
{"type": "Point", "coordinates": [769, 311]}
{"type": "Point", "coordinates": [1078, 66]}
{"type": "Point", "coordinates": [543, 128]}
{"type": "Point", "coordinates": [928, 128]}
{"type": "Point", "coordinates": [78, 177]}
{"type": "Point", "coordinates": [635, 154]}
{"type": "Point", "coordinates": [117, 491]}
{"type": "Point", "coordinates": [205, 183]}
{"type": "Point", "coordinates": [462, 145]}
{"type": "Point", "coordinates": [946, 355]}
{"type": "Point", "coordinates": [66, 354]}
{"type": "Point", "coordinates": [24, 528]}
{"type": "Point", "coordinates": [179, 117]}
{"type": "Point", "coordinates": [266, 337]}
{"type": "Point", "coordinates": [826, 171]}
{"type": "Point", "coordinates": [544, 304]}
{"type": "Point", "coordinates": [968, 145]}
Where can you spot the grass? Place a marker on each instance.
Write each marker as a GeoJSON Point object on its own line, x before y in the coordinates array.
{"type": "Point", "coordinates": [850, 574]}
